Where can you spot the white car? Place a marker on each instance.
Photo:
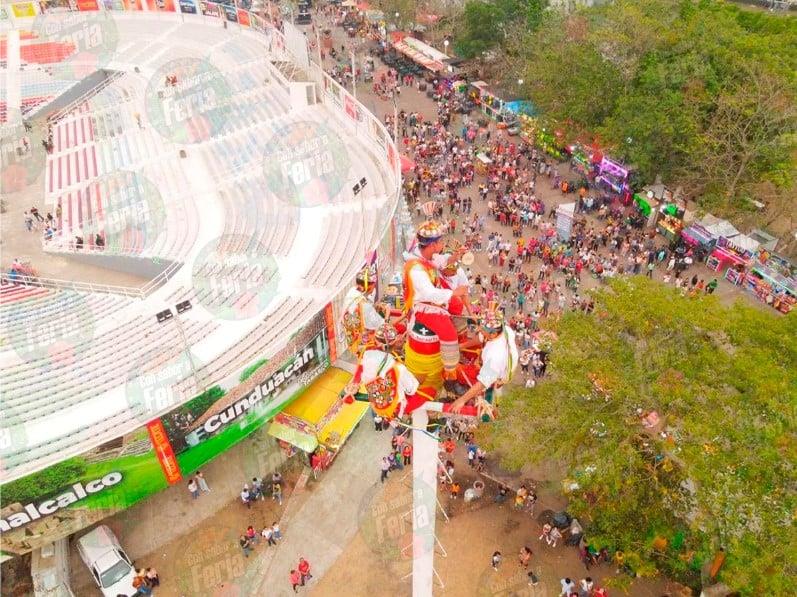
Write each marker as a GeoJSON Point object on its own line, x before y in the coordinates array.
{"type": "Point", "coordinates": [111, 568]}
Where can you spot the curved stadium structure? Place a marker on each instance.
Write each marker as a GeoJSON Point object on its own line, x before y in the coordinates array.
{"type": "Point", "coordinates": [238, 188]}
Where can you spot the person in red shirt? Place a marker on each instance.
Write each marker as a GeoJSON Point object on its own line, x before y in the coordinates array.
{"type": "Point", "coordinates": [406, 452]}
{"type": "Point", "coordinates": [296, 579]}
{"type": "Point", "coordinates": [304, 570]}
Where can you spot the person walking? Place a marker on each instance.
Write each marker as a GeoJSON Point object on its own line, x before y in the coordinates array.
{"type": "Point", "coordinates": [203, 485]}
{"type": "Point", "coordinates": [496, 560]}
{"type": "Point", "coordinates": [275, 530]}
{"type": "Point", "coordinates": [193, 489]}
{"type": "Point", "coordinates": [296, 580]}
{"type": "Point", "coordinates": [406, 453]}
{"type": "Point", "coordinates": [524, 557]}
{"type": "Point", "coordinates": [276, 492]}
{"type": "Point", "coordinates": [585, 587]}
{"type": "Point", "coordinates": [568, 586]}
{"type": "Point", "coordinates": [385, 468]}
{"type": "Point", "coordinates": [304, 570]}
{"type": "Point", "coordinates": [246, 545]}
{"type": "Point", "coordinates": [268, 534]}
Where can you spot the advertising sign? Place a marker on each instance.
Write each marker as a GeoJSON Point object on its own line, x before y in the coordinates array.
{"type": "Point", "coordinates": [189, 7]}
{"type": "Point", "coordinates": [87, 5]}
{"type": "Point", "coordinates": [24, 9]}
{"type": "Point", "coordinates": [92, 486]}
{"type": "Point", "coordinates": [161, 5]}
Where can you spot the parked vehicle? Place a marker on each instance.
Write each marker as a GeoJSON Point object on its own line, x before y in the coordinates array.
{"type": "Point", "coordinates": [112, 570]}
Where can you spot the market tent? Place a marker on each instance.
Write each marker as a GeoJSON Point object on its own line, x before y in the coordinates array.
{"type": "Point", "coordinates": [406, 164]}
{"type": "Point", "coordinates": [746, 243]}
{"type": "Point", "coordinates": [304, 441]}
{"type": "Point", "coordinates": [721, 228]}
{"type": "Point", "coordinates": [319, 396]}
{"type": "Point", "coordinates": [421, 53]}
{"type": "Point", "coordinates": [343, 423]}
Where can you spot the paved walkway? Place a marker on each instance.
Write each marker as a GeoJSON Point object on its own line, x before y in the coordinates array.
{"type": "Point", "coordinates": [327, 520]}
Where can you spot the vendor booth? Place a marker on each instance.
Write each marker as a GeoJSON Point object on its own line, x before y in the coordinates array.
{"type": "Point", "coordinates": [612, 175]}
{"type": "Point", "coordinates": [584, 160]}
{"type": "Point", "coordinates": [670, 220]}
{"type": "Point", "coordinates": [489, 103]}
{"type": "Point", "coordinates": [421, 53]}
{"type": "Point", "coordinates": [696, 235]}
{"type": "Point", "coordinates": [565, 214]}
{"type": "Point", "coordinates": [773, 279]}
{"type": "Point", "coordinates": [482, 163]}
{"type": "Point", "coordinates": [318, 421]}
{"type": "Point", "coordinates": [735, 254]}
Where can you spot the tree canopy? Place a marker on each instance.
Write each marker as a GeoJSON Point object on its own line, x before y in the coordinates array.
{"type": "Point", "coordinates": [701, 93]}
{"type": "Point", "coordinates": [719, 469]}
{"type": "Point", "coordinates": [484, 25]}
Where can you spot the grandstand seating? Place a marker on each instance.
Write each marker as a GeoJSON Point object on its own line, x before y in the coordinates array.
{"type": "Point", "coordinates": [97, 138]}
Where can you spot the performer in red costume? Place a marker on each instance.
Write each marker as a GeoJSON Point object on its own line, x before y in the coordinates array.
{"type": "Point", "coordinates": [425, 296]}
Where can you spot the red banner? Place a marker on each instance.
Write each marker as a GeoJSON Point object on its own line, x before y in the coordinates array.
{"type": "Point", "coordinates": [164, 451]}
{"type": "Point", "coordinates": [243, 18]}
{"type": "Point", "coordinates": [350, 106]}
{"type": "Point", "coordinates": [87, 5]}
{"type": "Point", "coordinates": [329, 320]}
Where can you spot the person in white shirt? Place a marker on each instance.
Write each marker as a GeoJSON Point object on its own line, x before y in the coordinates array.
{"type": "Point", "coordinates": [360, 316]}
{"type": "Point", "coordinates": [499, 360]}
{"type": "Point", "coordinates": [387, 384]}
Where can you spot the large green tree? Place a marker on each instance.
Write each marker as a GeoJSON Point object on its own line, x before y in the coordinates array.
{"type": "Point", "coordinates": [700, 93]}
{"type": "Point", "coordinates": [718, 472]}
{"type": "Point", "coordinates": [486, 24]}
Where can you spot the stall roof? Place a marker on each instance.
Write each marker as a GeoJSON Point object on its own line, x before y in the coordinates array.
{"type": "Point", "coordinates": [411, 47]}
{"type": "Point", "coordinates": [722, 228]}
{"type": "Point", "coordinates": [745, 242]}
{"type": "Point", "coordinates": [344, 422]}
{"type": "Point", "coordinates": [319, 396]}
{"type": "Point", "coordinates": [304, 441]}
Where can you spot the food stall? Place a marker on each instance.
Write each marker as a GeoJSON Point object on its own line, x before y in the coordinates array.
{"type": "Point", "coordinates": [613, 175]}
{"type": "Point", "coordinates": [734, 253]}
{"type": "Point", "coordinates": [551, 143]}
{"type": "Point", "coordinates": [489, 103]}
{"type": "Point", "coordinates": [482, 163]}
{"type": "Point", "coordinates": [584, 160]}
{"type": "Point", "coordinates": [773, 279]}
{"type": "Point", "coordinates": [565, 214]}
{"type": "Point", "coordinates": [696, 235]}
{"type": "Point", "coordinates": [319, 421]}
{"type": "Point", "coordinates": [423, 54]}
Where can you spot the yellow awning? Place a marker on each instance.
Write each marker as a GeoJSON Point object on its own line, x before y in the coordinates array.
{"type": "Point", "coordinates": [319, 396]}
{"type": "Point", "coordinates": [303, 441]}
{"type": "Point", "coordinates": [343, 424]}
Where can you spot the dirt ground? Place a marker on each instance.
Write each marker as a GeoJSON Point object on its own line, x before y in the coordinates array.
{"type": "Point", "coordinates": [373, 563]}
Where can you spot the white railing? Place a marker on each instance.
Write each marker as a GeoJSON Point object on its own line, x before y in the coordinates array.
{"type": "Point", "coordinates": [57, 284]}
{"type": "Point", "coordinates": [56, 116]}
